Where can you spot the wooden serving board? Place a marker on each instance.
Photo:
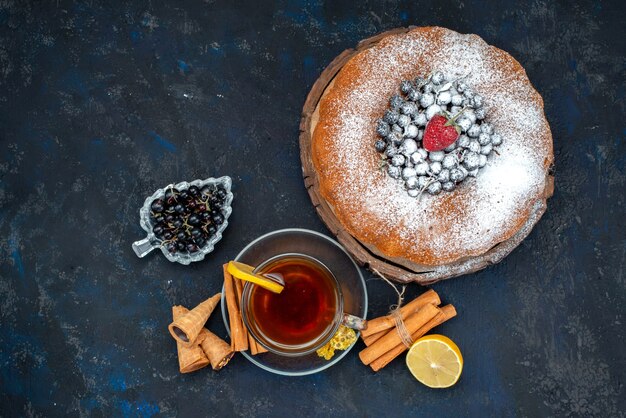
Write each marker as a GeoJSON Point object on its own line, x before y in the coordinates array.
{"type": "Point", "coordinates": [362, 255]}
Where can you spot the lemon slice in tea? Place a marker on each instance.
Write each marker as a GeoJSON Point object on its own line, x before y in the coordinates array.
{"type": "Point", "coordinates": [245, 272]}
{"type": "Point", "coordinates": [435, 360]}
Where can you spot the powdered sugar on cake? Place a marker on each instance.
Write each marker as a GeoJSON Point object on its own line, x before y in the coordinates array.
{"type": "Point", "coordinates": [481, 211]}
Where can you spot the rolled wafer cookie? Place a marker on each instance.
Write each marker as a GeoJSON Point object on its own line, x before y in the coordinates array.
{"type": "Point", "coordinates": [192, 358]}
{"type": "Point", "coordinates": [186, 328]}
{"type": "Point", "coordinates": [217, 350]}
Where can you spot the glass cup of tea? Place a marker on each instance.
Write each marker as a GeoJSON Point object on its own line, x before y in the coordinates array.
{"type": "Point", "coordinates": [305, 315]}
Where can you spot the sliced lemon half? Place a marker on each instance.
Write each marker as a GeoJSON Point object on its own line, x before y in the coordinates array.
{"type": "Point", "coordinates": [245, 272]}
{"type": "Point", "coordinates": [435, 360]}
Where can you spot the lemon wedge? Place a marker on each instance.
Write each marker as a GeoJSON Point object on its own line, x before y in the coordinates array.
{"type": "Point", "coordinates": [245, 272]}
{"type": "Point", "coordinates": [435, 360]}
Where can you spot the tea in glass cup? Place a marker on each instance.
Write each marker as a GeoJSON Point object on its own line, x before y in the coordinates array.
{"type": "Point", "coordinates": [304, 316]}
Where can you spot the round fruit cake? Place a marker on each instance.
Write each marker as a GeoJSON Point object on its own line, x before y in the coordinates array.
{"type": "Point", "coordinates": [431, 148]}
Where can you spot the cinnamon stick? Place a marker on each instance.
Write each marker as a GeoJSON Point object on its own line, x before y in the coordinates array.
{"type": "Point", "coordinates": [391, 339]}
{"type": "Point", "coordinates": [259, 348]}
{"type": "Point", "coordinates": [446, 312]}
{"type": "Point", "coordinates": [255, 348]}
{"type": "Point", "coordinates": [371, 339]}
{"type": "Point", "coordinates": [239, 338]}
{"type": "Point", "coordinates": [238, 291]}
{"type": "Point", "coordinates": [385, 322]}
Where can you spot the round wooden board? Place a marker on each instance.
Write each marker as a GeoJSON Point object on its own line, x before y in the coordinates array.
{"type": "Point", "coordinates": [359, 251]}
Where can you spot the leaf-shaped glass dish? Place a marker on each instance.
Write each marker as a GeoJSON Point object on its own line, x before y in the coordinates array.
{"type": "Point", "coordinates": [151, 242]}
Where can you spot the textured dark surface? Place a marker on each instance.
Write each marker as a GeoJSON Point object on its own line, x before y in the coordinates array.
{"type": "Point", "coordinates": [102, 104]}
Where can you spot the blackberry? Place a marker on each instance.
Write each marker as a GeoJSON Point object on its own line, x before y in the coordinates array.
{"type": "Point", "coordinates": [188, 218]}
{"type": "Point", "coordinates": [194, 219]}
{"type": "Point", "coordinates": [194, 191]}
{"type": "Point", "coordinates": [206, 192]}
{"type": "Point", "coordinates": [158, 230]}
{"type": "Point", "coordinates": [170, 194]}
{"type": "Point", "coordinates": [157, 206]}
{"type": "Point", "coordinates": [221, 193]}
{"type": "Point", "coordinates": [170, 247]}
{"type": "Point", "coordinates": [155, 218]}
{"type": "Point", "coordinates": [179, 208]}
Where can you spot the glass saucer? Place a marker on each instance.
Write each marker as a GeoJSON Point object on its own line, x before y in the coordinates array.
{"type": "Point", "coordinates": [332, 255]}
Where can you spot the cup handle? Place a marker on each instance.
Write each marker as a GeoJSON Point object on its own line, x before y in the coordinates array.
{"type": "Point", "coordinates": [353, 322]}
{"type": "Point", "coordinates": [144, 246]}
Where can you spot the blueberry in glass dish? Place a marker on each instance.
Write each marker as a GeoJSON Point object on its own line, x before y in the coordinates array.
{"type": "Point", "coordinates": [186, 220]}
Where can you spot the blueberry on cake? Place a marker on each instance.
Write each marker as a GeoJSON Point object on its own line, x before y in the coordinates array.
{"type": "Point", "coordinates": [435, 134]}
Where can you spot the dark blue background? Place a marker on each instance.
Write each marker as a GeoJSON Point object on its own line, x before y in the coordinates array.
{"type": "Point", "coordinates": [100, 104]}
